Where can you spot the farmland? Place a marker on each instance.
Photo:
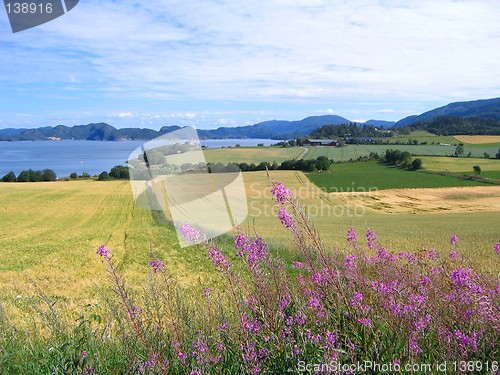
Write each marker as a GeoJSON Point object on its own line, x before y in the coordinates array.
{"type": "Point", "coordinates": [422, 136]}
{"type": "Point", "coordinates": [354, 151]}
{"type": "Point", "coordinates": [251, 154]}
{"type": "Point", "coordinates": [363, 176]}
{"type": "Point", "coordinates": [49, 231]}
{"type": "Point", "coordinates": [51, 276]}
{"type": "Point", "coordinates": [459, 164]}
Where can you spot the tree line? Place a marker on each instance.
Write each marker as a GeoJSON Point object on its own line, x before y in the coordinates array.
{"type": "Point", "coordinates": [450, 125]}
{"type": "Point", "coordinates": [321, 163]}
{"type": "Point", "coordinates": [30, 175]}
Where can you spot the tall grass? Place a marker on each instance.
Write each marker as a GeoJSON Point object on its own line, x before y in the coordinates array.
{"type": "Point", "coordinates": [266, 316]}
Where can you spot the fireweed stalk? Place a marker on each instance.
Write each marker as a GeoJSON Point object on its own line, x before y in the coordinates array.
{"type": "Point", "coordinates": [326, 305]}
{"type": "Point", "coordinates": [131, 311]}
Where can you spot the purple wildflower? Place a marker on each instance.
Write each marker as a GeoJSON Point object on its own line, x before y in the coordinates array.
{"type": "Point", "coordinates": [318, 278]}
{"type": "Point", "coordinates": [200, 346]}
{"type": "Point", "coordinates": [352, 236]}
{"type": "Point", "coordinates": [300, 318]}
{"type": "Point", "coordinates": [350, 261]}
{"type": "Point", "coordinates": [497, 248]}
{"type": "Point", "coordinates": [156, 265]}
{"type": "Point", "coordinates": [413, 344]}
{"type": "Point", "coordinates": [280, 192]}
{"type": "Point", "coordinates": [313, 303]}
{"type": "Point", "coordinates": [181, 355]}
{"type": "Point", "coordinates": [219, 260]}
{"type": "Point", "coordinates": [103, 251]}
{"type": "Point", "coordinates": [240, 241]}
{"type": "Point", "coordinates": [206, 292]}
{"type": "Point", "coordinates": [425, 280]}
{"type": "Point", "coordinates": [284, 302]}
{"type": "Point", "coordinates": [461, 276]}
{"type": "Point", "coordinates": [299, 264]}
{"type": "Point", "coordinates": [251, 302]}
{"type": "Point", "coordinates": [464, 341]}
{"type": "Point", "coordinates": [453, 240]}
{"type": "Point", "coordinates": [84, 354]}
{"type": "Point", "coordinates": [191, 234]}
{"type": "Point", "coordinates": [256, 250]}
{"type": "Point", "coordinates": [330, 339]}
{"type": "Point", "coordinates": [453, 254]}
{"type": "Point", "coordinates": [263, 353]}
{"type": "Point", "coordinates": [422, 323]}
{"type": "Point", "coordinates": [285, 218]}
{"type": "Point", "coordinates": [431, 254]}
{"type": "Point", "coordinates": [365, 321]}
{"type": "Point", "coordinates": [356, 299]}
{"type": "Point", "coordinates": [371, 237]}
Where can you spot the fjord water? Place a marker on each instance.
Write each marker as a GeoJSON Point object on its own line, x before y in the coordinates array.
{"type": "Point", "coordinates": [93, 157]}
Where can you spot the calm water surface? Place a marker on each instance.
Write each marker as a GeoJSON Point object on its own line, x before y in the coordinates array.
{"type": "Point", "coordinates": [93, 157]}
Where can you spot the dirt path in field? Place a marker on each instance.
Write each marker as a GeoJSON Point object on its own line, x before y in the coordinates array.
{"type": "Point", "coordinates": [302, 154]}
{"type": "Point", "coordinates": [456, 199]}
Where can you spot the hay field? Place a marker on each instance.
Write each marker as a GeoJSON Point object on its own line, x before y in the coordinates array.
{"type": "Point", "coordinates": [451, 164]}
{"type": "Point", "coordinates": [477, 139]}
{"type": "Point", "coordinates": [49, 231]}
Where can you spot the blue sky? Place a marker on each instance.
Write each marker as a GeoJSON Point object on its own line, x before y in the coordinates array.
{"type": "Point", "coordinates": [228, 63]}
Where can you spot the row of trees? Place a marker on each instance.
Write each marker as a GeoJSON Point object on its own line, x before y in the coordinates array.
{"type": "Point", "coordinates": [30, 176]}
{"type": "Point", "coordinates": [322, 163]}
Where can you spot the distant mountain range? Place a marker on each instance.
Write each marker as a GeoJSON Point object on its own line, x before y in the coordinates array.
{"type": "Point", "coordinates": [275, 129]}
{"type": "Point", "coordinates": [486, 109]}
{"type": "Point", "coordinates": [104, 132]}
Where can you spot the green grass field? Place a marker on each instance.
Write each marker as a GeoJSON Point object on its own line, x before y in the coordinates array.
{"type": "Point", "coordinates": [422, 136]}
{"type": "Point", "coordinates": [364, 176]}
{"type": "Point", "coordinates": [251, 154]}
{"type": "Point", "coordinates": [354, 151]}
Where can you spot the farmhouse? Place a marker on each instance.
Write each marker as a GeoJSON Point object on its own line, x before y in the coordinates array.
{"type": "Point", "coordinates": [321, 142]}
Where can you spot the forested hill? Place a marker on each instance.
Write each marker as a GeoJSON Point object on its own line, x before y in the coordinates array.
{"type": "Point", "coordinates": [90, 132]}
{"type": "Point", "coordinates": [451, 125]}
{"type": "Point", "coordinates": [346, 130]}
{"type": "Point", "coordinates": [486, 108]}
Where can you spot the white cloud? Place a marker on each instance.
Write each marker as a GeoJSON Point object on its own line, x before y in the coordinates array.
{"type": "Point", "coordinates": [125, 114]}
{"type": "Point", "coordinates": [300, 51]}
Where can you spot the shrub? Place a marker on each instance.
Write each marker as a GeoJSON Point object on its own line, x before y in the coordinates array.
{"type": "Point", "coordinates": [103, 176]}
{"type": "Point", "coordinates": [119, 172]}
{"type": "Point", "coordinates": [73, 175]}
{"type": "Point", "coordinates": [416, 164]}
